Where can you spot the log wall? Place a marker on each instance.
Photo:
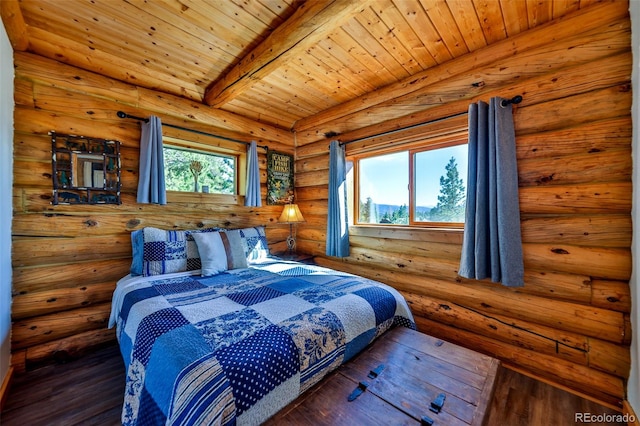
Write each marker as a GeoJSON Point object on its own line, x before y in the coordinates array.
{"type": "Point", "coordinates": [569, 324]}
{"type": "Point", "coordinates": [67, 258]}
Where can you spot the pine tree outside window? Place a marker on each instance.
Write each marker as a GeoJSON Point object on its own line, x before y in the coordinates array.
{"type": "Point", "coordinates": [196, 171]}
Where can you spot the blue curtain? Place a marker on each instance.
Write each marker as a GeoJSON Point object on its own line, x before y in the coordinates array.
{"type": "Point", "coordinates": [492, 244]}
{"type": "Point", "coordinates": [151, 187]}
{"type": "Point", "coordinates": [337, 222]}
{"type": "Point", "coordinates": [252, 196]}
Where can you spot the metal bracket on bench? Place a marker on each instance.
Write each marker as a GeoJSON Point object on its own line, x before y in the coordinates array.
{"type": "Point", "coordinates": [426, 421]}
{"type": "Point", "coordinates": [376, 372]}
{"type": "Point", "coordinates": [362, 386]}
{"type": "Point", "coordinates": [436, 404]}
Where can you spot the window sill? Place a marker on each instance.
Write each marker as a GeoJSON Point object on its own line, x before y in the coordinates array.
{"type": "Point", "coordinates": [201, 197]}
{"type": "Point", "coordinates": [432, 234]}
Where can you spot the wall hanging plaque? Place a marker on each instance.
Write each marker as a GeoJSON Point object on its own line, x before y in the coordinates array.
{"type": "Point", "coordinates": [279, 178]}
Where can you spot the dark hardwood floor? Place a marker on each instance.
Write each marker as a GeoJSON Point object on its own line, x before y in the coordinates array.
{"type": "Point", "coordinates": [89, 391]}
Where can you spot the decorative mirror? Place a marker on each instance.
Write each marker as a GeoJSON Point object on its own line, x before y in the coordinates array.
{"type": "Point", "coordinates": [85, 170]}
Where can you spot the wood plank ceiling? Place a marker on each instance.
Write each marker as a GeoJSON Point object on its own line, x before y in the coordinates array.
{"type": "Point", "coordinates": [274, 61]}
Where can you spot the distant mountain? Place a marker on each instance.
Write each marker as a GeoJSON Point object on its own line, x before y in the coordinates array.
{"type": "Point", "coordinates": [384, 208]}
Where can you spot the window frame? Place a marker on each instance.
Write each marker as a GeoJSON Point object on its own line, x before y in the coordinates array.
{"type": "Point", "coordinates": [229, 149]}
{"type": "Point", "coordinates": [435, 135]}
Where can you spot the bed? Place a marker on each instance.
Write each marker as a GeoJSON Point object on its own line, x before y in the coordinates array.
{"type": "Point", "coordinates": [214, 330]}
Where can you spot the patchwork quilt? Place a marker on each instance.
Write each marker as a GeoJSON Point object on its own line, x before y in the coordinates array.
{"type": "Point", "coordinates": [237, 347]}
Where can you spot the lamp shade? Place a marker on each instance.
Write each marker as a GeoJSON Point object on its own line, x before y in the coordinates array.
{"type": "Point", "coordinates": [291, 214]}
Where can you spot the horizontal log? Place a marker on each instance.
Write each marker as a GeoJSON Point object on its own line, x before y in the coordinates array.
{"type": "Point", "coordinates": [73, 223]}
{"type": "Point", "coordinates": [312, 192]}
{"type": "Point", "coordinates": [61, 299]}
{"type": "Point", "coordinates": [23, 92]}
{"type": "Point", "coordinates": [496, 299]}
{"type": "Point", "coordinates": [312, 233]}
{"type": "Point", "coordinates": [436, 133]}
{"type": "Point", "coordinates": [584, 138]}
{"type": "Point", "coordinates": [607, 263]}
{"type": "Point", "coordinates": [555, 285]}
{"type": "Point", "coordinates": [433, 251]}
{"type": "Point", "coordinates": [312, 178]}
{"type": "Point", "coordinates": [315, 207]}
{"type": "Point", "coordinates": [72, 103]}
{"type": "Point", "coordinates": [425, 235]}
{"type": "Point", "coordinates": [609, 357]}
{"type": "Point", "coordinates": [50, 277]}
{"type": "Point", "coordinates": [190, 111]}
{"type": "Point", "coordinates": [544, 283]}
{"type": "Point", "coordinates": [313, 164]}
{"type": "Point", "coordinates": [606, 230]}
{"type": "Point", "coordinates": [603, 387]}
{"type": "Point", "coordinates": [45, 251]}
{"type": "Point", "coordinates": [564, 345]}
{"type": "Point", "coordinates": [550, 283]}
{"type": "Point", "coordinates": [409, 264]}
{"type": "Point", "coordinates": [314, 149]}
{"type": "Point", "coordinates": [604, 166]}
{"type": "Point", "coordinates": [315, 220]}
{"type": "Point", "coordinates": [31, 200]}
{"type": "Point", "coordinates": [614, 295]}
{"type": "Point", "coordinates": [47, 328]}
{"type": "Point", "coordinates": [612, 103]}
{"type": "Point", "coordinates": [604, 356]}
{"type": "Point", "coordinates": [603, 198]}
{"type": "Point", "coordinates": [28, 120]}
{"type": "Point", "coordinates": [44, 71]}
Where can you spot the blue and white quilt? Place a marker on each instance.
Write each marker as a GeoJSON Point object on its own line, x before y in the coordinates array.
{"type": "Point", "coordinates": [237, 347]}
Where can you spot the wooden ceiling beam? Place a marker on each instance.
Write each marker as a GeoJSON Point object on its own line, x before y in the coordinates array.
{"type": "Point", "coordinates": [14, 24]}
{"type": "Point", "coordinates": [312, 21]}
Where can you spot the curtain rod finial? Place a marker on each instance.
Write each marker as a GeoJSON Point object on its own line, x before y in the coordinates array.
{"type": "Point", "coordinates": [121, 114]}
{"type": "Point", "coordinates": [515, 100]}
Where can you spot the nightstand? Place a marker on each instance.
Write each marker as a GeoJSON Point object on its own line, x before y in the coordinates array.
{"type": "Point", "coordinates": [296, 257]}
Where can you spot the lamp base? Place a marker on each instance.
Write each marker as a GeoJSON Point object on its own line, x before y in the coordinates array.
{"type": "Point", "coordinates": [291, 240]}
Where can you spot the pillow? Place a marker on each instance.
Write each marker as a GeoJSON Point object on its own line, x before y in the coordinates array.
{"type": "Point", "coordinates": [254, 242]}
{"type": "Point", "coordinates": [220, 251]}
{"type": "Point", "coordinates": [158, 251]}
{"type": "Point", "coordinates": [137, 248]}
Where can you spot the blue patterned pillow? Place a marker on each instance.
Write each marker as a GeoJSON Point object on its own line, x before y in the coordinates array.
{"type": "Point", "coordinates": [158, 251]}
{"type": "Point", "coordinates": [254, 242]}
{"type": "Point", "coordinates": [137, 252]}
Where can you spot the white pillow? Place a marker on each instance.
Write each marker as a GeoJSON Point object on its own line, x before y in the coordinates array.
{"type": "Point", "coordinates": [219, 252]}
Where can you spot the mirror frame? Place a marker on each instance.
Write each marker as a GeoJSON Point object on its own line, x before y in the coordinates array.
{"type": "Point", "coordinates": [78, 160]}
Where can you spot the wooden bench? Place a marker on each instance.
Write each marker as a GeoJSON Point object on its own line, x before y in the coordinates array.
{"type": "Point", "coordinates": [417, 368]}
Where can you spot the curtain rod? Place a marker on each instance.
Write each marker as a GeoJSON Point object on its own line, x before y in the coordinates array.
{"type": "Point", "coordinates": [122, 114]}
{"type": "Point", "coordinates": [505, 102]}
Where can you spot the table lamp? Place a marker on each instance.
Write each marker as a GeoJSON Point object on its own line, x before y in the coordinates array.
{"type": "Point", "coordinates": [291, 215]}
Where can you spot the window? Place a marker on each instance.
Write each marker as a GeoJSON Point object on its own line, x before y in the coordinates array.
{"type": "Point", "coordinates": [419, 186]}
{"type": "Point", "coordinates": [197, 171]}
